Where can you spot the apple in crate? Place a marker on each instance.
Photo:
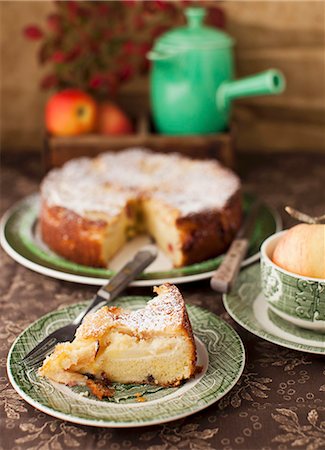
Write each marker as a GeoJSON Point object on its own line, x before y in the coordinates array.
{"type": "Point", "coordinates": [301, 250]}
{"type": "Point", "coordinates": [70, 112]}
{"type": "Point", "coordinates": [112, 120]}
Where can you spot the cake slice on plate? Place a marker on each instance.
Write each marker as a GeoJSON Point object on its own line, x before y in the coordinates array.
{"type": "Point", "coordinates": [150, 345]}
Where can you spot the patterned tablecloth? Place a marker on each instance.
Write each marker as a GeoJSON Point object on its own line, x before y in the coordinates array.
{"type": "Point", "coordinates": [279, 402]}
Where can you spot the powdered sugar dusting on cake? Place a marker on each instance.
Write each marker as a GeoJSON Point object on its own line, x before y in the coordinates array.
{"type": "Point", "coordinates": [79, 188]}
{"type": "Point", "coordinates": [166, 310]}
{"type": "Point", "coordinates": [107, 182]}
{"type": "Point", "coordinates": [163, 311]}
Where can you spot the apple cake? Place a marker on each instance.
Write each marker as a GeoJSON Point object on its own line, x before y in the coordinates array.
{"type": "Point", "coordinates": [91, 207]}
{"type": "Point", "coordinates": [150, 345]}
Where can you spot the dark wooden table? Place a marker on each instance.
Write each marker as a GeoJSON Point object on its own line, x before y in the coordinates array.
{"type": "Point", "coordinates": [279, 402]}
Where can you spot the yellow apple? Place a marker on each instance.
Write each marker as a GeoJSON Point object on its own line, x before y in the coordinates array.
{"type": "Point", "coordinates": [301, 250]}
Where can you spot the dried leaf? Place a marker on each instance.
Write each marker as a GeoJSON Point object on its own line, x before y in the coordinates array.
{"type": "Point", "coordinates": [312, 417]}
{"type": "Point", "coordinates": [306, 428]}
{"type": "Point", "coordinates": [316, 434]}
{"type": "Point", "coordinates": [300, 442]}
{"type": "Point", "coordinates": [44, 446]}
{"type": "Point", "coordinates": [285, 437]}
{"type": "Point", "coordinates": [189, 427]}
{"type": "Point", "coordinates": [247, 396]}
{"type": "Point", "coordinates": [53, 426]}
{"type": "Point", "coordinates": [289, 428]}
{"type": "Point", "coordinates": [77, 431]}
{"type": "Point", "coordinates": [282, 419]}
{"type": "Point", "coordinates": [26, 438]}
{"type": "Point", "coordinates": [288, 413]}
{"type": "Point", "coordinates": [260, 386]}
{"type": "Point", "coordinates": [264, 380]}
{"type": "Point", "coordinates": [258, 392]}
{"type": "Point", "coordinates": [55, 445]}
{"type": "Point", "coordinates": [172, 438]}
{"type": "Point", "coordinates": [44, 436]}
{"type": "Point", "coordinates": [19, 408]}
{"type": "Point", "coordinates": [148, 436]}
{"type": "Point", "coordinates": [11, 413]}
{"type": "Point", "coordinates": [320, 443]}
{"type": "Point", "coordinates": [30, 427]}
{"type": "Point", "coordinates": [314, 445]}
{"type": "Point", "coordinates": [207, 434]}
{"type": "Point", "coordinates": [290, 366]}
{"type": "Point", "coordinates": [198, 444]}
{"type": "Point", "coordinates": [183, 444]}
{"type": "Point", "coordinates": [69, 441]}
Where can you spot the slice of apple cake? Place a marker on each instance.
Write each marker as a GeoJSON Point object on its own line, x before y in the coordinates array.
{"type": "Point", "coordinates": [150, 345]}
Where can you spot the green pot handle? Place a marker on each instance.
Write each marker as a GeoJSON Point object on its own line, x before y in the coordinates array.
{"type": "Point", "coordinates": [270, 82]}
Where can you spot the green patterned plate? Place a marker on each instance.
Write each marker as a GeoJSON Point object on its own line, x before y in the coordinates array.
{"type": "Point", "coordinates": [248, 307]}
{"type": "Point", "coordinates": [220, 353]}
{"type": "Point", "coordinates": [19, 238]}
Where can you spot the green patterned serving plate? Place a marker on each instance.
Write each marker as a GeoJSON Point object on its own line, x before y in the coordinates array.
{"type": "Point", "coordinates": [247, 305]}
{"type": "Point", "coordinates": [220, 353]}
{"type": "Point", "coordinates": [19, 238]}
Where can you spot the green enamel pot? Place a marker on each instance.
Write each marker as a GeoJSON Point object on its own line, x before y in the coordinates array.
{"type": "Point", "coordinates": [192, 79]}
{"type": "Point", "coordinates": [297, 299]}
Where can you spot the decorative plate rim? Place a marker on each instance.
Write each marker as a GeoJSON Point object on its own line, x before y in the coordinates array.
{"type": "Point", "coordinates": [267, 335]}
{"type": "Point", "coordinates": [143, 422]}
{"type": "Point", "coordinates": [98, 281]}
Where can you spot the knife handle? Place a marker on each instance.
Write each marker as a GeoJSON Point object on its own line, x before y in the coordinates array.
{"type": "Point", "coordinates": [121, 280]}
{"type": "Point", "coordinates": [224, 277]}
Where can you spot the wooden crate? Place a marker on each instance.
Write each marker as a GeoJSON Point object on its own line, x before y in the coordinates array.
{"type": "Point", "coordinates": [58, 150]}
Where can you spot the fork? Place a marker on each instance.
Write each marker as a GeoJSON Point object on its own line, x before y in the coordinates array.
{"type": "Point", "coordinates": [105, 294]}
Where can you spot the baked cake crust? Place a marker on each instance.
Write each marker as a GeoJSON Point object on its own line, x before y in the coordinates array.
{"type": "Point", "coordinates": [85, 199]}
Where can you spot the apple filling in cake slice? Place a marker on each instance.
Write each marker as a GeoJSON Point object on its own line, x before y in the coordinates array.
{"type": "Point", "coordinates": [160, 222]}
{"type": "Point", "coordinates": [150, 345]}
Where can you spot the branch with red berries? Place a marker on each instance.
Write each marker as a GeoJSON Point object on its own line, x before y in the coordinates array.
{"type": "Point", "coordinates": [97, 46]}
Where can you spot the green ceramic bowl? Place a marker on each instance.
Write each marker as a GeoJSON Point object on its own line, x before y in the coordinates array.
{"type": "Point", "coordinates": [297, 299]}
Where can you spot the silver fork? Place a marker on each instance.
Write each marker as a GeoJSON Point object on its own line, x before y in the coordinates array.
{"type": "Point", "coordinates": [105, 294]}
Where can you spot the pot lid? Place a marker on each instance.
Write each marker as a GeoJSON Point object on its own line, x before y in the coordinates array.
{"type": "Point", "coordinates": [194, 34]}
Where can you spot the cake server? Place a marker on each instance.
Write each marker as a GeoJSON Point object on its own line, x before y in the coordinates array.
{"type": "Point", "coordinates": [106, 293]}
{"type": "Point", "coordinates": [224, 277]}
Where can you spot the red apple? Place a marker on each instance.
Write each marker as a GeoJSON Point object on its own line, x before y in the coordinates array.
{"type": "Point", "coordinates": [112, 120]}
{"type": "Point", "coordinates": [70, 112]}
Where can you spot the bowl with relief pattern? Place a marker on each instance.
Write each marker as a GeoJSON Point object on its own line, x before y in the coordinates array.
{"type": "Point", "coordinates": [296, 298]}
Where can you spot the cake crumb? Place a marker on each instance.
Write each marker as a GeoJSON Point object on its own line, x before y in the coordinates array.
{"type": "Point", "coordinates": [139, 397]}
{"type": "Point", "coordinates": [99, 390]}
